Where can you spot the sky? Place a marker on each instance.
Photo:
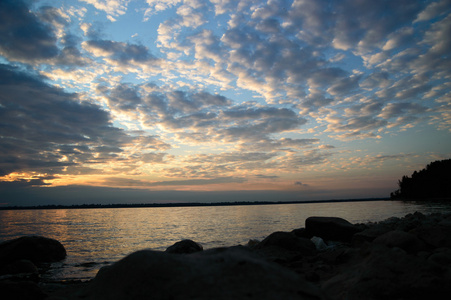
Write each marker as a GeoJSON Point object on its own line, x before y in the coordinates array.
{"type": "Point", "coordinates": [118, 101]}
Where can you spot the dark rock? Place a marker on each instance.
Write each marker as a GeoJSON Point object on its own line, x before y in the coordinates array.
{"type": "Point", "coordinates": [441, 257]}
{"type": "Point", "coordinates": [232, 273]}
{"type": "Point", "coordinates": [301, 232]}
{"type": "Point", "coordinates": [288, 241]}
{"type": "Point", "coordinates": [371, 233]}
{"type": "Point", "coordinates": [337, 255]}
{"type": "Point", "coordinates": [184, 247]}
{"type": "Point", "coordinates": [406, 241]}
{"type": "Point", "coordinates": [34, 248]}
{"type": "Point", "coordinates": [252, 243]}
{"type": "Point", "coordinates": [285, 246]}
{"type": "Point", "coordinates": [23, 290]}
{"type": "Point", "coordinates": [388, 273]}
{"type": "Point", "coordinates": [331, 228]}
{"type": "Point", "coordinates": [434, 236]}
{"type": "Point", "coordinates": [22, 266]}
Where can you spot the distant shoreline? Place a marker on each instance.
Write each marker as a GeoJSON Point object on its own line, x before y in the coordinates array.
{"type": "Point", "coordinates": [190, 204]}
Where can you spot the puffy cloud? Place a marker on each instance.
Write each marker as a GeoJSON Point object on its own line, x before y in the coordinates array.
{"type": "Point", "coordinates": [158, 5]}
{"type": "Point", "coordinates": [392, 110]}
{"type": "Point", "coordinates": [433, 9]}
{"type": "Point", "coordinates": [215, 89]}
{"type": "Point", "coordinates": [377, 20]}
{"type": "Point", "coordinates": [54, 128]}
{"type": "Point", "coordinates": [45, 130]}
{"type": "Point", "coordinates": [122, 97]}
{"type": "Point", "coordinates": [33, 37]}
{"type": "Point", "coordinates": [122, 53]}
{"type": "Point", "coordinates": [113, 8]}
{"type": "Point", "coordinates": [23, 37]}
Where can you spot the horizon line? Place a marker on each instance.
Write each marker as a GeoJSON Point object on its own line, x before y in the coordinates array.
{"type": "Point", "coordinates": [187, 204]}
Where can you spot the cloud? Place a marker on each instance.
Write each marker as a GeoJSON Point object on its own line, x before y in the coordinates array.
{"type": "Point", "coordinates": [33, 37]}
{"type": "Point", "coordinates": [23, 37]}
{"type": "Point", "coordinates": [46, 130]}
{"type": "Point", "coordinates": [158, 5]}
{"type": "Point", "coordinates": [392, 110]}
{"type": "Point", "coordinates": [122, 97]}
{"type": "Point", "coordinates": [23, 183]}
{"type": "Point", "coordinates": [300, 184]}
{"type": "Point", "coordinates": [113, 8]}
{"type": "Point", "coordinates": [214, 89]}
{"type": "Point", "coordinates": [432, 10]}
{"type": "Point", "coordinates": [282, 144]}
{"type": "Point", "coordinates": [119, 52]}
{"type": "Point", "coordinates": [127, 182]}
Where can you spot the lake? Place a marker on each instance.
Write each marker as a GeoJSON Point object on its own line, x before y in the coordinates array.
{"type": "Point", "coordinates": [96, 237]}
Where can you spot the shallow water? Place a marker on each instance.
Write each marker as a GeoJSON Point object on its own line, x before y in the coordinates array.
{"type": "Point", "coordinates": [96, 237]}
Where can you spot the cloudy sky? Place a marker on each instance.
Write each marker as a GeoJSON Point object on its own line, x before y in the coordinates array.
{"type": "Point", "coordinates": [171, 100]}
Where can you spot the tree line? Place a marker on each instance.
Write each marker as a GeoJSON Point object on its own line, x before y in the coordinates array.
{"type": "Point", "coordinates": [432, 182]}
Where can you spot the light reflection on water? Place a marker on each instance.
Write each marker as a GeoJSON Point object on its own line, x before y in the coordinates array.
{"type": "Point", "coordinates": [93, 237]}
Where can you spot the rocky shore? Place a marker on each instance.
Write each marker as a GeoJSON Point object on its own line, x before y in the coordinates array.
{"type": "Point", "coordinates": [328, 258]}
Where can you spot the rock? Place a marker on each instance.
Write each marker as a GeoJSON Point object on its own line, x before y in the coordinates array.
{"type": "Point", "coordinates": [406, 241]}
{"type": "Point", "coordinates": [23, 290]}
{"type": "Point", "coordinates": [441, 257]}
{"type": "Point", "coordinates": [434, 236]}
{"type": "Point", "coordinates": [252, 243]}
{"type": "Point", "coordinates": [22, 266]}
{"type": "Point", "coordinates": [34, 248]}
{"type": "Point", "coordinates": [371, 233]}
{"type": "Point", "coordinates": [331, 228]}
{"type": "Point", "coordinates": [288, 241]}
{"type": "Point", "coordinates": [184, 247]}
{"type": "Point", "coordinates": [284, 246]}
{"type": "Point", "coordinates": [319, 243]}
{"type": "Point", "coordinates": [301, 232]}
{"type": "Point", "coordinates": [231, 273]}
{"type": "Point", "coordinates": [388, 273]}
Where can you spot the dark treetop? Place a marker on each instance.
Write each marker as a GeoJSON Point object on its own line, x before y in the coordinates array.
{"type": "Point", "coordinates": [433, 182]}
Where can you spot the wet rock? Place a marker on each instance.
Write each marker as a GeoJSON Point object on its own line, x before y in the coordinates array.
{"type": "Point", "coordinates": [34, 248]}
{"type": "Point", "coordinates": [331, 228]}
{"type": "Point", "coordinates": [232, 273]}
{"type": "Point", "coordinates": [406, 241]}
{"type": "Point", "coordinates": [184, 247]}
{"type": "Point", "coordinates": [252, 243]}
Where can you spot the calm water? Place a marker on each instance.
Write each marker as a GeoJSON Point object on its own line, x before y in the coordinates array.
{"type": "Point", "coordinates": [95, 237]}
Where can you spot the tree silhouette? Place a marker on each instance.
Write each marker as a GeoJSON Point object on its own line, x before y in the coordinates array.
{"type": "Point", "coordinates": [430, 183]}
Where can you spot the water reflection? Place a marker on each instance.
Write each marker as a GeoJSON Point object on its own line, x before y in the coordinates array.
{"type": "Point", "coordinates": [94, 237]}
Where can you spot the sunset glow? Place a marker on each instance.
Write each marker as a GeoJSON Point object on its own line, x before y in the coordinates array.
{"type": "Point", "coordinates": [310, 99]}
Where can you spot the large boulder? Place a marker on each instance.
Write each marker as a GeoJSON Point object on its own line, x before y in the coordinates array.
{"type": "Point", "coordinates": [285, 246]}
{"type": "Point", "coordinates": [37, 249]}
{"type": "Point", "coordinates": [232, 273]}
{"type": "Point", "coordinates": [184, 247]}
{"type": "Point", "coordinates": [331, 228]}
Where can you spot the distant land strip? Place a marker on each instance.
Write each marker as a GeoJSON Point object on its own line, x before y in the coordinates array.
{"type": "Point", "coordinates": [189, 204]}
